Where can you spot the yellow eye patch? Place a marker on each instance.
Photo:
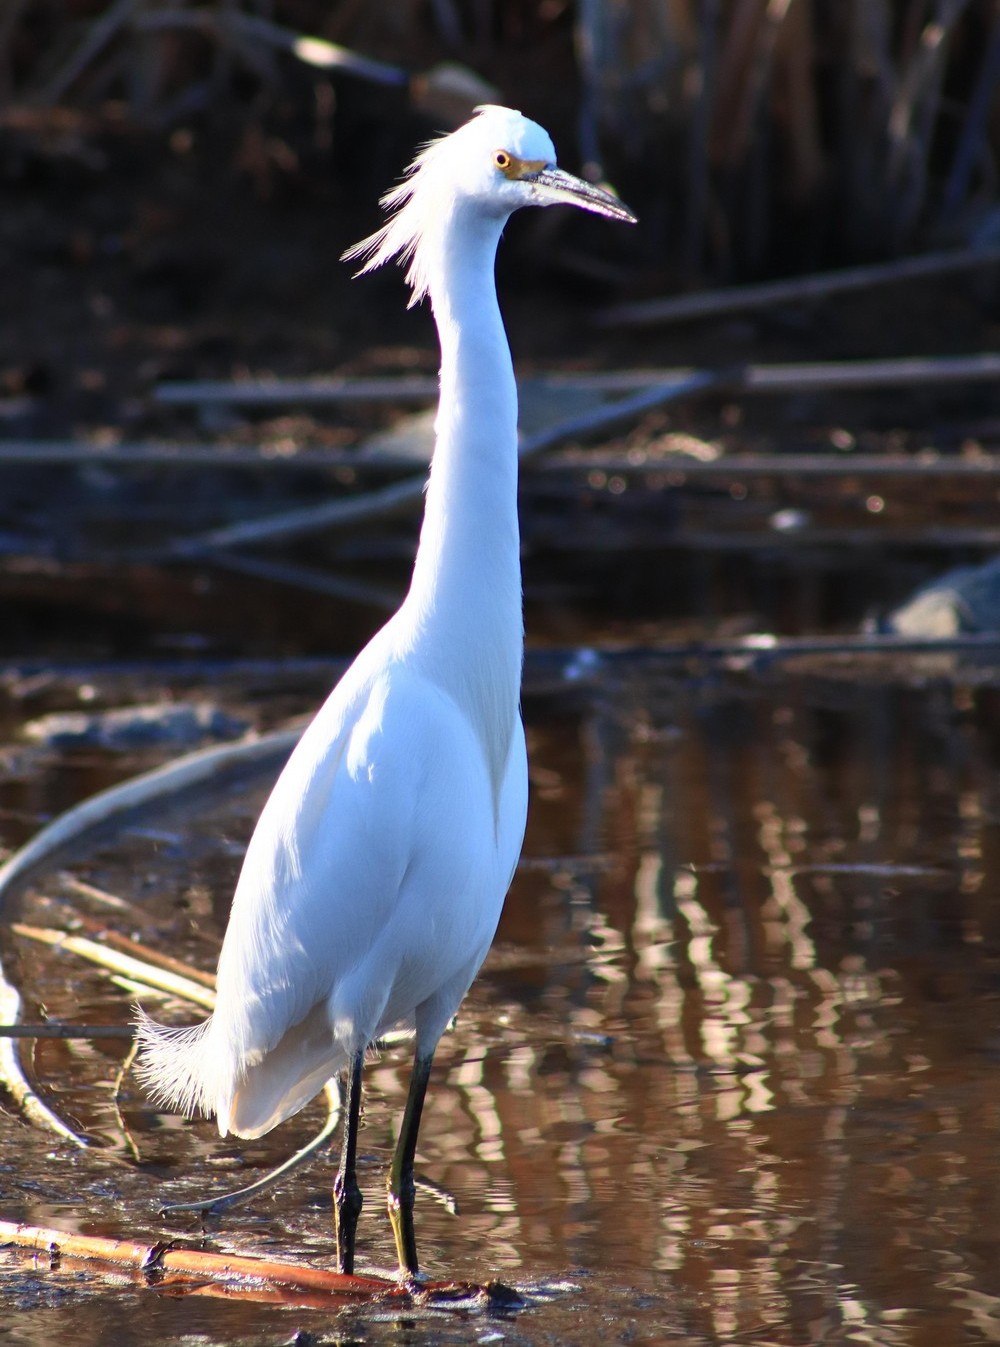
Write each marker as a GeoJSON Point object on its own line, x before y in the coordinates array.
{"type": "Point", "coordinates": [512, 167]}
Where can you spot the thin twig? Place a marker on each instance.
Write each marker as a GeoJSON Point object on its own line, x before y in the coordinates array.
{"type": "Point", "coordinates": [604, 418]}
{"type": "Point", "coordinates": [43, 453]}
{"type": "Point", "coordinates": [302, 577]}
{"type": "Point", "coordinates": [972, 143]}
{"type": "Point", "coordinates": [812, 376]}
{"type": "Point", "coordinates": [914, 117]}
{"type": "Point", "coordinates": [51, 1029]}
{"type": "Point", "coordinates": [378, 504]}
{"type": "Point", "coordinates": [136, 950]}
{"type": "Point", "coordinates": [215, 1206]}
{"type": "Point", "coordinates": [99, 34]}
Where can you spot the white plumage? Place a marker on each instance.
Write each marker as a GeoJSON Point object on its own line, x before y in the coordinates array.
{"type": "Point", "coordinates": [373, 883]}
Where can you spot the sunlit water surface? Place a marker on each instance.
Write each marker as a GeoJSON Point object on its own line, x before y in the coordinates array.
{"type": "Point", "coordinates": [729, 1074]}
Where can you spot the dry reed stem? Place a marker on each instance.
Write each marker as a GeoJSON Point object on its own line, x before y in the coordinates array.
{"type": "Point", "coordinates": [126, 965]}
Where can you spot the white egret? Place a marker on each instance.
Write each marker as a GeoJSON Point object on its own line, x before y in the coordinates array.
{"type": "Point", "coordinates": [373, 883]}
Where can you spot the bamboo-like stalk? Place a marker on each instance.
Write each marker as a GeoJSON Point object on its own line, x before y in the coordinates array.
{"type": "Point", "coordinates": [117, 961]}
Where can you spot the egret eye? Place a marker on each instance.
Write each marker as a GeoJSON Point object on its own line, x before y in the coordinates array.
{"type": "Point", "coordinates": [502, 160]}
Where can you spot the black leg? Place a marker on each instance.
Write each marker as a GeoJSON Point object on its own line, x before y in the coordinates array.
{"type": "Point", "coordinates": [346, 1193]}
{"type": "Point", "coordinates": [401, 1186]}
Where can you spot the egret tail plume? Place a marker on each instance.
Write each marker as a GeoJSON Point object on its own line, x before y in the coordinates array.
{"type": "Point", "coordinates": [186, 1071]}
{"type": "Point", "coordinates": [174, 1064]}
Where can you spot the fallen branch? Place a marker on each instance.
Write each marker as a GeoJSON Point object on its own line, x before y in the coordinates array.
{"type": "Point", "coordinates": [313, 51]}
{"type": "Point", "coordinates": [778, 378]}
{"type": "Point", "coordinates": [305, 578]}
{"type": "Point", "coordinates": [404, 494]}
{"type": "Point", "coordinates": [142, 953]}
{"type": "Point", "coordinates": [57, 453]}
{"type": "Point", "coordinates": [741, 298]}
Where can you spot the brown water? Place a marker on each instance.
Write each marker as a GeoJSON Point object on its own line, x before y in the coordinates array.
{"type": "Point", "coordinates": [729, 1075]}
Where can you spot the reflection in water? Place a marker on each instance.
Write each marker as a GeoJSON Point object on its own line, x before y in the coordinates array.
{"type": "Point", "coordinates": [734, 1049]}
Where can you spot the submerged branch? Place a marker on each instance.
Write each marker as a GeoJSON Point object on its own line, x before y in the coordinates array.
{"type": "Point", "coordinates": [93, 813]}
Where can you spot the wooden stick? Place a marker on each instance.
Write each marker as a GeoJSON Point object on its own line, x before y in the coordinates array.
{"type": "Point", "coordinates": [42, 453]}
{"type": "Point", "coordinates": [377, 504]}
{"type": "Point", "coordinates": [876, 538]}
{"type": "Point", "coordinates": [239, 1274]}
{"type": "Point", "coordinates": [778, 378]}
{"type": "Point", "coordinates": [740, 299]}
{"type": "Point", "coordinates": [303, 577]}
{"type": "Point", "coordinates": [757, 379]}
{"type": "Point", "coordinates": [772, 647]}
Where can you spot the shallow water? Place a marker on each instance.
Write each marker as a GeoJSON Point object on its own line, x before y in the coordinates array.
{"type": "Point", "coordinates": [729, 1073]}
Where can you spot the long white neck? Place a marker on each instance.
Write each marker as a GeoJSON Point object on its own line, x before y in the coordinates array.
{"type": "Point", "coordinates": [462, 615]}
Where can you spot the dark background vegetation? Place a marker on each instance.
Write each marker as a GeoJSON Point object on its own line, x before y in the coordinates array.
{"type": "Point", "coordinates": [179, 179]}
{"type": "Point", "coordinates": [752, 134]}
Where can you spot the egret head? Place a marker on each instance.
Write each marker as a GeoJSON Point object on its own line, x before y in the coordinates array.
{"type": "Point", "coordinates": [494, 164]}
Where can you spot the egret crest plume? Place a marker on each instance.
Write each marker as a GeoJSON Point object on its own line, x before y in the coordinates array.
{"type": "Point", "coordinates": [415, 205]}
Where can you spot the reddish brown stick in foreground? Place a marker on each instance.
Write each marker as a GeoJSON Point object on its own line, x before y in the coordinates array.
{"type": "Point", "coordinates": [196, 1272]}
